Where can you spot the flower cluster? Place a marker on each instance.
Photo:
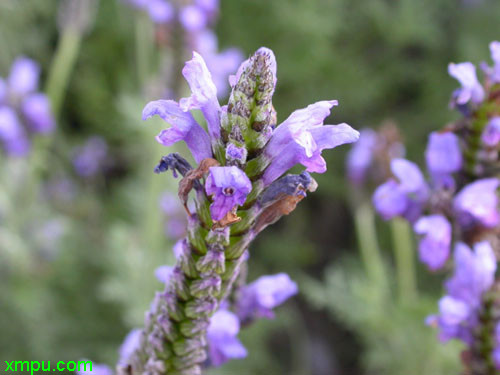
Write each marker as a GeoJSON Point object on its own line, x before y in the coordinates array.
{"type": "Point", "coordinates": [238, 188]}
{"type": "Point", "coordinates": [458, 202]}
{"type": "Point", "coordinates": [23, 110]}
{"type": "Point", "coordinates": [196, 18]}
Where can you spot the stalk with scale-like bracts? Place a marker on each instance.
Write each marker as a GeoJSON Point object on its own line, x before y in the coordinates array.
{"type": "Point", "coordinates": [239, 189]}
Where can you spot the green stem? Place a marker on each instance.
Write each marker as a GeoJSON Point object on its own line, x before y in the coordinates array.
{"type": "Point", "coordinates": [368, 245]}
{"type": "Point", "coordinates": [402, 242]}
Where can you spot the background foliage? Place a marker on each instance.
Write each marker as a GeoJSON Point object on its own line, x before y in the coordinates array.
{"type": "Point", "coordinates": [78, 296]}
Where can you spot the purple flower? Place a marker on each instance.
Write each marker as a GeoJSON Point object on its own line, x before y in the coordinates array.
{"type": "Point", "coordinates": [471, 89]}
{"type": "Point", "coordinates": [223, 343]}
{"type": "Point", "coordinates": [491, 134]}
{"type": "Point", "coordinates": [163, 273]}
{"type": "Point", "coordinates": [12, 133]}
{"type": "Point", "coordinates": [160, 11]}
{"type": "Point", "coordinates": [443, 154]}
{"type": "Point", "coordinates": [229, 187]}
{"type": "Point", "coordinates": [259, 298]}
{"type": "Point", "coordinates": [477, 203]}
{"type": "Point", "coordinates": [36, 109]}
{"type": "Point", "coordinates": [129, 345]}
{"type": "Point", "coordinates": [302, 137]}
{"type": "Point", "coordinates": [404, 197]}
{"type": "Point", "coordinates": [474, 273]}
{"type": "Point", "coordinates": [360, 156]}
{"type": "Point", "coordinates": [184, 128]}
{"type": "Point", "coordinates": [94, 369]}
{"type": "Point", "coordinates": [23, 78]}
{"type": "Point", "coordinates": [494, 72]}
{"type": "Point", "coordinates": [90, 157]}
{"type": "Point", "coordinates": [192, 18]}
{"type": "Point", "coordinates": [204, 94]}
{"type": "Point", "coordinates": [434, 247]}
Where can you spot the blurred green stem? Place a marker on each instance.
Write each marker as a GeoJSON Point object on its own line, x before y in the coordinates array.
{"type": "Point", "coordinates": [402, 243]}
{"type": "Point", "coordinates": [61, 68]}
{"type": "Point", "coordinates": [368, 244]}
{"type": "Point", "coordinates": [143, 35]}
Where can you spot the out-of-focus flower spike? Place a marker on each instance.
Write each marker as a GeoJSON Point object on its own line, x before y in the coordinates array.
{"type": "Point", "coordinates": [471, 89]}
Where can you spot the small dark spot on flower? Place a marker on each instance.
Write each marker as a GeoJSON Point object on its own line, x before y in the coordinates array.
{"type": "Point", "coordinates": [228, 191]}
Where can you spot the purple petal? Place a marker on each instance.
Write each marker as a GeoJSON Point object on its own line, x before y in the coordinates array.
{"type": "Point", "coordinates": [389, 200]}
{"type": "Point", "coordinates": [434, 247]}
{"type": "Point", "coordinates": [192, 18]}
{"type": "Point", "coordinates": [12, 133]}
{"type": "Point", "coordinates": [471, 89]}
{"type": "Point", "coordinates": [36, 109]}
{"type": "Point", "coordinates": [443, 154]}
{"type": "Point", "coordinates": [495, 56]}
{"type": "Point", "coordinates": [491, 134]}
{"type": "Point", "coordinates": [130, 344]}
{"type": "Point", "coordinates": [163, 273]}
{"type": "Point", "coordinates": [411, 179]}
{"type": "Point", "coordinates": [360, 156]}
{"type": "Point", "coordinates": [160, 11]}
{"type": "Point", "coordinates": [478, 201]}
{"type": "Point", "coordinates": [229, 187]}
{"type": "Point", "coordinates": [204, 94]}
{"type": "Point", "coordinates": [23, 77]}
{"type": "Point", "coordinates": [453, 311]}
{"type": "Point", "coordinates": [184, 128]}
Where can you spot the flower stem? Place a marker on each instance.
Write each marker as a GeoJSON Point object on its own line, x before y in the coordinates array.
{"type": "Point", "coordinates": [368, 245]}
{"type": "Point", "coordinates": [405, 263]}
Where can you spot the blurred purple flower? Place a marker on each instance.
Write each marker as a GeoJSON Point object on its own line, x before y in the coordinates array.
{"type": "Point", "coordinates": [89, 158]}
{"type": "Point", "coordinates": [12, 133]}
{"type": "Point", "coordinates": [443, 155]}
{"type": "Point", "coordinates": [192, 18]}
{"type": "Point", "coordinates": [229, 187]}
{"type": "Point", "coordinates": [223, 343]}
{"type": "Point", "coordinates": [163, 273]}
{"type": "Point", "coordinates": [491, 133]}
{"type": "Point", "coordinates": [434, 246]}
{"type": "Point", "coordinates": [36, 109]}
{"type": "Point", "coordinates": [360, 156]}
{"type": "Point", "coordinates": [474, 275]}
{"type": "Point", "coordinates": [175, 226]}
{"type": "Point", "coordinates": [183, 128]}
{"type": "Point", "coordinates": [259, 298]}
{"type": "Point", "coordinates": [404, 197]}
{"type": "Point", "coordinates": [302, 137]}
{"type": "Point", "coordinates": [23, 78]}
{"type": "Point", "coordinates": [160, 11]}
{"type": "Point", "coordinates": [493, 73]}
{"type": "Point", "coordinates": [471, 89]}
{"type": "Point", "coordinates": [129, 345]}
{"type": "Point", "coordinates": [477, 203]}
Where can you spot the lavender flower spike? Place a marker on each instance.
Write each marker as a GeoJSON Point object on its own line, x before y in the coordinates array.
{"type": "Point", "coordinates": [434, 247]}
{"type": "Point", "coordinates": [229, 187]}
{"type": "Point", "coordinates": [471, 89]}
{"type": "Point", "coordinates": [223, 343]}
{"type": "Point", "coordinates": [302, 137]}
{"type": "Point", "coordinates": [184, 128]}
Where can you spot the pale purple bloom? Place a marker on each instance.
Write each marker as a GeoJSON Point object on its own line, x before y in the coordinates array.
{"type": "Point", "coordinates": [443, 154]}
{"type": "Point", "coordinates": [12, 133]}
{"type": "Point", "coordinates": [183, 128]}
{"type": "Point", "coordinates": [477, 203]}
{"type": "Point", "coordinates": [434, 246]}
{"type": "Point", "coordinates": [471, 89]}
{"type": "Point", "coordinates": [129, 345]}
{"type": "Point", "coordinates": [175, 226]}
{"type": "Point", "coordinates": [179, 249]}
{"type": "Point", "coordinates": [94, 369]}
{"type": "Point", "coordinates": [160, 11]}
{"type": "Point", "coordinates": [494, 72]}
{"type": "Point", "coordinates": [163, 273]}
{"type": "Point", "coordinates": [360, 156]}
{"type": "Point", "coordinates": [36, 109]}
{"type": "Point", "coordinates": [204, 94]}
{"type": "Point", "coordinates": [404, 197]}
{"type": "Point", "coordinates": [229, 187]}
{"type": "Point", "coordinates": [89, 158]}
{"type": "Point", "coordinates": [491, 134]}
{"type": "Point", "coordinates": [223, 343]}
{"type": "Point", "coordinates": [474, 273]}
{"type": "Point", "coordinates": [302, 137]}
{"type": "Point", "coordinates": [192, 18]}
{"type": "Point", "coordinates": [259, 298]}
{"type": "Point", "coordinates": [23, 78]}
